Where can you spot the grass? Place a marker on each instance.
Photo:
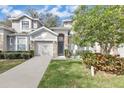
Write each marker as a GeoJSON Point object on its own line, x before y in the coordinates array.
{"type": "Point", "coordinates": [74, 74]}
{"type": "Point", "coordinates": [8, 64]}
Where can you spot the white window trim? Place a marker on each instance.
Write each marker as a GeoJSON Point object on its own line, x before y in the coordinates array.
{"type": "Point", "coordinates": [16, 41]}
{"type": "Point", "coordinates": [30, 26]}
{"type": "Point", "coordinates": [23, 27]}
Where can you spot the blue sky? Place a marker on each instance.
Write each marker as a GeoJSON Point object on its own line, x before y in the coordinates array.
{"type": "Point", "coordinates": [63, 11]}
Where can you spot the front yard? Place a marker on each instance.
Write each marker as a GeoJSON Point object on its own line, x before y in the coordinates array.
{"type": "Point", "coordinates": [74, 74]}
{"type": "Point", "coordinates": [8, 64]}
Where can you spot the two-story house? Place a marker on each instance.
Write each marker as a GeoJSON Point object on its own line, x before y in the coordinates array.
{"type": "Point", "coordinates": [29, 33]}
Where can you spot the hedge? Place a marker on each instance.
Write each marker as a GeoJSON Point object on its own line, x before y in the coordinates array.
{"type": "Point", "coordinates": [16, 54]}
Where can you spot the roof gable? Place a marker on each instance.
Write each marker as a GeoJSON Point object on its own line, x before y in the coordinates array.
{"type": "Point", "coordinates": [21, 16]}
{"type": "Point", "coordinates": [43, 34]}
{"type": "Point", "coordinates": [41, 29]}
{"type": "Point", "coordinates": [25, 15]}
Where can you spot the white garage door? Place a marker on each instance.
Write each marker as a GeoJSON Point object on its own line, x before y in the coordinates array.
{"type": "Point", "coordinates": [44, 48]}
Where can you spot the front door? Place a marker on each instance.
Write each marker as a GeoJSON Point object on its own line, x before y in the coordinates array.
{"type": "Point", "coordinates": [60, 45]}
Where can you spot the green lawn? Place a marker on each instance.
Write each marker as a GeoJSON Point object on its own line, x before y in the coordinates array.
{"type": "Point", "coordinates": [72, 74]}
{"type": "Point", "coordinates": [8, 64]}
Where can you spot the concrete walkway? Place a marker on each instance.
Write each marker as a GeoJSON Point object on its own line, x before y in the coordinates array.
{"type": "Point", "coordinates": [25, 75]}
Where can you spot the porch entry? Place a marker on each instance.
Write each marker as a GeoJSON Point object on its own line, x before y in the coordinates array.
{"type": "Point", "coordinates": [61, 45]}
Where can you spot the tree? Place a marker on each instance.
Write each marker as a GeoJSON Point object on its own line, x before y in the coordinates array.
{"type": "Point", "coordinates": [48, 19]}
{"type": "Point", "coordinates": [6, 22]}
{"type": "Point", "coordinates": [32, 12]}
{"type": "Point", "coordinates": [101, 24]}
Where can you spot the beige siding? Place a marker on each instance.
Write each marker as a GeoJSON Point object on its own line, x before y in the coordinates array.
{"type": "Point", "coordinates": [16, 25]}
{"type": "Point", "coordinates": [32, 45]}
{"type": "Point", "coordinates": [39, 25]}
{"type": "Point", "coordinates": [66, 42]}
{"type": "Point", "coordinates": [35, 24]}
{"type": "Point", "coordinates": [6, 32]}
{"type": "Point", "coordinates": [55, 49]}
{"type": "Point", "coordinates": [44, 35]}
{"type": "Point", "coordinates": [1, 40]}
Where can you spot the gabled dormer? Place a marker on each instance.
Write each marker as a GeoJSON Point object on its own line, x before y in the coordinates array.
{"type": "Point", "coordinates": [25, 23]}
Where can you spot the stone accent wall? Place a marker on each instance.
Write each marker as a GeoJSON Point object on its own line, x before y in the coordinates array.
{"type": "Point", "coordinates": [55, 49]}
{"type": "Point", "coordinates": [66, 42]}
{"type": "Point", "coordinates": [1, 41]}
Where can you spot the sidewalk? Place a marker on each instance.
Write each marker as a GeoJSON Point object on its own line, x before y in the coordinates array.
{"type": "Point", "coordinates": [25, 75]}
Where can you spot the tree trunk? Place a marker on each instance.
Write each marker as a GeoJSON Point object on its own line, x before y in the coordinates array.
{"type": "Point", "coordinates": [105, 49]}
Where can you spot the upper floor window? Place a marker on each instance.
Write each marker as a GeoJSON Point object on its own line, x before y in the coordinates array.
{"type": "Point", "coordinates": [25, 25]}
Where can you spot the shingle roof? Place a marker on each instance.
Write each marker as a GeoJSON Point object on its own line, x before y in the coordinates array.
{"type": "Point", "coordinates": [18, 34]}
{"type": "Point", "coordinates": [22, 15]}
{"type": "Point", "coordinates": [59, 28]}
{"type": "Point", "coordinates": [7, 28]}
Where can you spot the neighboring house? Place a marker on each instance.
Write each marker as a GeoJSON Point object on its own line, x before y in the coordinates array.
{"type": "Point", "coordinates": [4, 32]}
{"type": "Point", "coordinates": [28, 33]}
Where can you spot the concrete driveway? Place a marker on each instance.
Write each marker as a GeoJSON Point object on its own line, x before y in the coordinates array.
{"type": "Point", "coordinates": [25, 75]}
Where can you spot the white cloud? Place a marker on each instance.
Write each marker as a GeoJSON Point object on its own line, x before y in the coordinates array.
{"type": "Point", "coordinates": [3, 6]}
{"type": "Point", "coordinates": [43, 9]}
{"type": "Point", "coordinates": [55, 11]}
{"type": "Point", "coordinates": [15, 13]}
{"type": "Point", "coordinates": [64, 13]}
{"type": "Point", "coordinates": [6, 9]}
{"type": "Point", "coordinates": [71, 8]}
{"type": "Point", "coordinates": [9, 11]}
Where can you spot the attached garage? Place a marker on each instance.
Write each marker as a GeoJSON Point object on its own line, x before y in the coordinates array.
{"type": "Point", "coordinates": [44, 48]}
{"type": "Point", "coordinates": [45, 42]}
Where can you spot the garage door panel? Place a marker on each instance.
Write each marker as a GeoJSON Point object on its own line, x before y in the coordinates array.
{"type": "Point", "coordinates": [44, 48]}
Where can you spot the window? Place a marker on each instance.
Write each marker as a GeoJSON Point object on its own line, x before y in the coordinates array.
{"type": "Point", "coordinates": [25, 25]}
{"type": "Point", "coordinates": [61, 37]}
{"type": "Point", "coordinates": [11, 40]}
{"type": "Point", "coordinates": [21, 44]}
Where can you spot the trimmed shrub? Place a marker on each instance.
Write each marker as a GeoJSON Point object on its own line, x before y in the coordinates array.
{"type": "Point", "coordinates": [32, 53]}
{"type": "Point", "coordinates": [107, 63]}
{"type": "Point", "coordinates": [16, 55]}
{"type": "Point", "coordinates": [67, 53]}
{"type": "Point", "coordinates": [1, 56]}
{"type": "Point", "coordinates": [26, 55]}
{"type": "Point", "coordinates": [88, 58]}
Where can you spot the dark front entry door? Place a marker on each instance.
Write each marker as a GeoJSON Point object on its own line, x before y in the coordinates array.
{"type": "Point", "coordinates": [61, 45]}
{"type": "Point", "coordinates": [60, 48]}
